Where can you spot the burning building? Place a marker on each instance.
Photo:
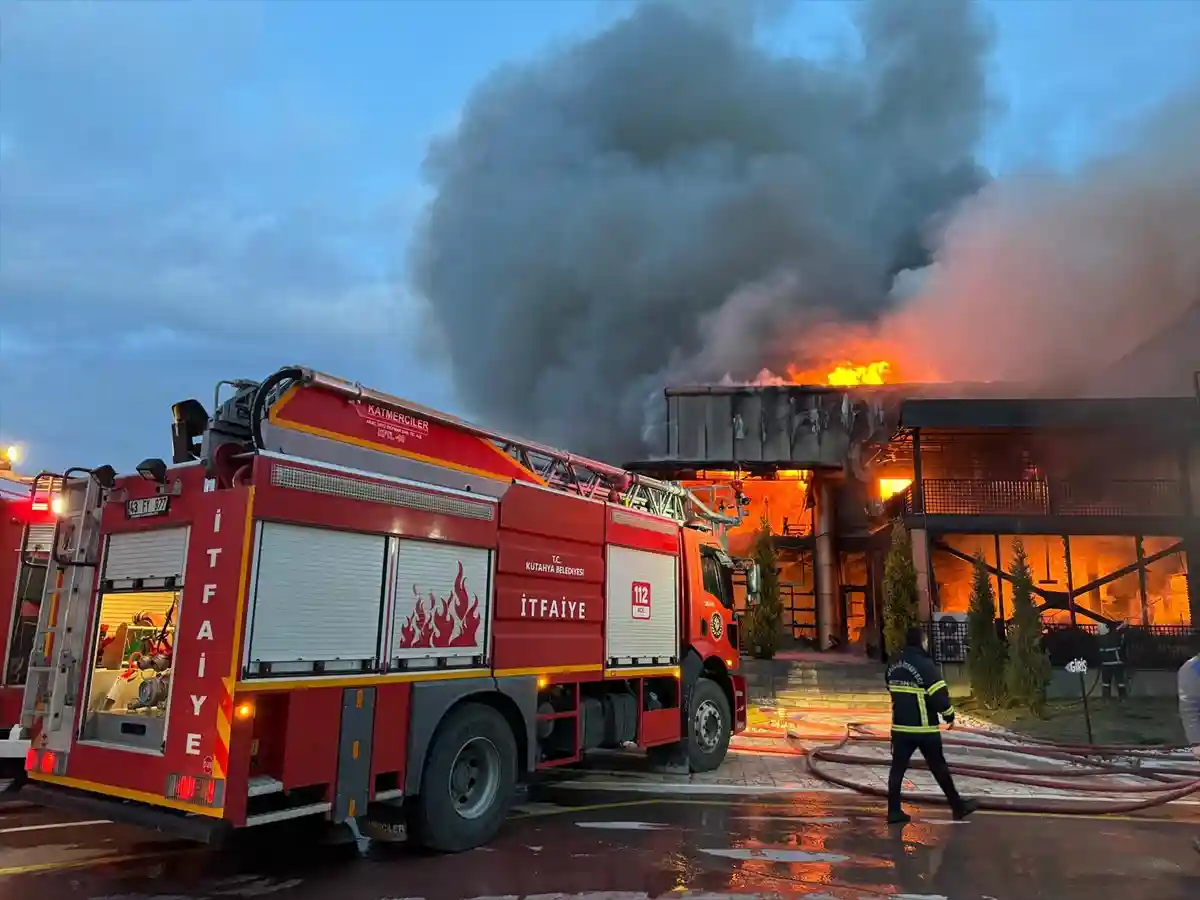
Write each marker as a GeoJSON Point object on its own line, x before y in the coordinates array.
{"type": "Point", "coordinates": [1104, 491]}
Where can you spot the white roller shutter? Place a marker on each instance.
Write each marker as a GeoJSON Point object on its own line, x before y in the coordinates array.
{"type": "Point", "coordinates": [641, 608]}
{"type": "Point", "coordinates": [442, 601]}
{"type": "Point", "coordinates": [317, 598]}
{"type": "Point", "coordinates": [146, 556]}
{"type": "Point", "coordinates": [39, 538]}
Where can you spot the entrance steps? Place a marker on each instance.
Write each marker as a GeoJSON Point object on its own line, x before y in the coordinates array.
{"type": "Point", "coordinates": [816, 680]}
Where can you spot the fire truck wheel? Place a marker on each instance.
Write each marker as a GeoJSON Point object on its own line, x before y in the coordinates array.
{"type": "Point", "coordinates": [710, 723]}
{"type": "Point", "coordinates": [469, 780]}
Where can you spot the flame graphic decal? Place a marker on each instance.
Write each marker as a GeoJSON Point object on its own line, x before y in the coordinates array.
{"type": "Point", "coordinates": [452, 623]}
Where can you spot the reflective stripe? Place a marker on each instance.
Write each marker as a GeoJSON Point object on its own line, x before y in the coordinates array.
{"type": "Point", "coordinates": [919, 693]}
{"type": "Point", "coordinates": [949, 711]}
{"type": "Point", "coordinates": [934, 688]}
{"type": "Point", "coordinates": [916, 729]}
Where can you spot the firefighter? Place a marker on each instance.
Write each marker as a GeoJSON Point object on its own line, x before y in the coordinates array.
{"type": "Point", "coordinates": [1112, 660]}
{"type": "Point", "coordinates": [919, 696]}
{"type": "Point", "coordinates": [1189, 708]}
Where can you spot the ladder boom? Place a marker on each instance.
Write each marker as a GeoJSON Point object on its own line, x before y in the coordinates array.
{"type": "Point", "coordinates": [560, 470]}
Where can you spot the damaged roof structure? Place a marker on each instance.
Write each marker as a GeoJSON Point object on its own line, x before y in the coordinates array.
{"type": "Point", "coordinates": [1107, 476]}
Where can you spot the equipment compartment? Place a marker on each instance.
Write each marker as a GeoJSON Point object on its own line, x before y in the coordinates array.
{"type": "Point", "coordinates": [442, 601]}
{"type": "Point", "coordinates": [642, 608]}
{"type": "Point", "coordinates": [317, 600]}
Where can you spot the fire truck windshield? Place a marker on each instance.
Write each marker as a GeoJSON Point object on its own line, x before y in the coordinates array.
{"type": "Point", "coordinates": [718, 579]}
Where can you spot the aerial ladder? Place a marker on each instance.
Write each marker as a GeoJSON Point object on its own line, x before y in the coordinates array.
{"type": "Point", "coordinates": [236, 426]}
{"type": "Point", "coordinates": [59, 643]}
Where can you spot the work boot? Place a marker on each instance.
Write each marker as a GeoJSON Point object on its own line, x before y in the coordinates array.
{"type": "Point", "coordinates": [898, 817]}
{"type": "Point", "coordinates": [965, 809]}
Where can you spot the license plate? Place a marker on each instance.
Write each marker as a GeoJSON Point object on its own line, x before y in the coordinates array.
{"type": "Point", "coordinates": [147, 506]}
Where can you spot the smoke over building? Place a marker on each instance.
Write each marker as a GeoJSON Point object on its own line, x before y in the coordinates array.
{"type": "Point", "coordinates": [813, 244]}
{"type": "Point", "coordinates": [667, 201]}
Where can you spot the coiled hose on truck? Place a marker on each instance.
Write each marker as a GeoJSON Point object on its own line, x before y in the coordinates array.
{"type": "Point", "coordinates": [1100, 770]}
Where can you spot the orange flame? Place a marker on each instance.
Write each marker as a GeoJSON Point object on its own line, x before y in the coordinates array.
{"type": "Point", "coordinates": [847, 375]}
{"type": "Point", "coordinates": [890, 487]}
{"type": "Point", "coordinates": [844, 374]}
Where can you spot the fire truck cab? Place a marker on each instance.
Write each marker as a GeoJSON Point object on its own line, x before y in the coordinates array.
{"type": "Point", "coordinates": [334, 603]}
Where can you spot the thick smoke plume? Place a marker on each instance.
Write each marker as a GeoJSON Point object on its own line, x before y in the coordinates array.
{"type": "Point", "coordinates": [668, 202]}
{"type": "Point", "coordinates": [1048, 279]}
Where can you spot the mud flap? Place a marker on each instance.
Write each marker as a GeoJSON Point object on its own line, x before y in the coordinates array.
{"type": "Point", "coordinates": [352, 792]}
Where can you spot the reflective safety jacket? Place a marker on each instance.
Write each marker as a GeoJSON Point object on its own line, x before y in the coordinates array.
{"type": "Point", "coordinates": [919, 694]}
{"type": "Point", "coordinates": [1112, 648]}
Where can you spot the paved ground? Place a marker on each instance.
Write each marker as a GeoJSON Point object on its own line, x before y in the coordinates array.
{"type": "Point", "coordinates": [815, 846]}
{"type": "Point", "coordinates": [760, 826]}
{"type": "Point", "coordinates": [765, 761]}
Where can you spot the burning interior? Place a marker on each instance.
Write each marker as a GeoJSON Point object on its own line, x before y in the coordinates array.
{"type": "Point", "coordinates": [1103, 492]}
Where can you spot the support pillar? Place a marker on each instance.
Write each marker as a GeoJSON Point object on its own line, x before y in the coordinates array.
{"type": "Point", "coordinates": [921, 562]}
{"type": "Point", "coordinates": [1139, 548]}
{"type": "Point", "coordinates": [825, 570]}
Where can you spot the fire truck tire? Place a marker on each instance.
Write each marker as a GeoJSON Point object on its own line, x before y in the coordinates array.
{"type": "Point", "coordinates": [469, 780]}
{"type": "Point", "coordinates": [710, 726]}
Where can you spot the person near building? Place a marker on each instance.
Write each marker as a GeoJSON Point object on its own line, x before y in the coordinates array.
{"type": "Point", "coordinates": [1189, 709]}
{"type": "Point", "coordinates": [1112, 660]}
{"type": "Point", "coordinates": [919, 696]}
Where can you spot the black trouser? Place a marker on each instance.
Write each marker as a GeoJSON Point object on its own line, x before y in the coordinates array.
{"type": "Point", "coordinates": [1110, 674]}
{"type": "Point", "coordinates": [930, 745]}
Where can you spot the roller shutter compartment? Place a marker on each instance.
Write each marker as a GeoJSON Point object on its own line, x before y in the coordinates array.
{"type": "Point", "coordinates": [641, 608]}
{"type": "Point", "coordinates": [39, 539]}
{"type": "Point", "coordinates": [145, 556]}
{"type": "Point", "coordinates": [443, 595]}
{"type": "Point", "coordinates": [317, 602]}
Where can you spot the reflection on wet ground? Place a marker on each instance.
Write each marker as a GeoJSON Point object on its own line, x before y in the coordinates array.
{"type": "Point", "coordinates": [816, 846]}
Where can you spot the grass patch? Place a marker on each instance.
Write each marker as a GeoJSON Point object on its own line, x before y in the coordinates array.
{"type": "Point", "coordinates": [1147, 721]}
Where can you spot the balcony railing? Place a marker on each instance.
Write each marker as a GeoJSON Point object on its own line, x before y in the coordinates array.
{"type": "Point", "coordinates": [970, 497]}
{"type": "Point", "coordinates": [1147, 646]}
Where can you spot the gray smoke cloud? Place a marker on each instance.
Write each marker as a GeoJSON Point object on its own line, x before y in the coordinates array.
{"type": "Point", "coordinates": [1048, 278]}
{"type": "Point", "coordinates": [666, 201]}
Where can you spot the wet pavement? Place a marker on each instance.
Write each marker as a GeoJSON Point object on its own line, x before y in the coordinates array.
{"type": "Point", "coordinates": [811, 845]}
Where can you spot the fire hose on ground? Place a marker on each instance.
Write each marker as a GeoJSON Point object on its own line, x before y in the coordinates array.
{"type": "Point", "coordinates": [1106, 772]}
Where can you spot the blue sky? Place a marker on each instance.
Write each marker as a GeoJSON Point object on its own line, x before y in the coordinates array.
{"type": "Point", "coordinates": [190, 192]}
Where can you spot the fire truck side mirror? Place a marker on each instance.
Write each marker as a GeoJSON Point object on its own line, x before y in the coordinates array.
{"type": "Point", "coordinates": [753, 582]}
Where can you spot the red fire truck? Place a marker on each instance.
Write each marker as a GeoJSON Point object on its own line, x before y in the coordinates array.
{"type": "Point", "coordinates": [26, 532]}
{"type": "Point", "coordinates": [335, 603]}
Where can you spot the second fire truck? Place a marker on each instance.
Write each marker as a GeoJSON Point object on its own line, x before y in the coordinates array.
{"type": "Point", "coordinates": [334, 603]}
{"type": "Point", "coordinates": [27, 519]}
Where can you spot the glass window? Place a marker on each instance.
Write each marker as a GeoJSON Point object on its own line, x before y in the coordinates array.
{"type": "Point", "coordinates": [797, 593]}
{"type": "Point", "coordinates": [31, 583]}
{"type": "Point", "coordinates": [1166, 584]}
{"type": "Point", "coordinates": [954, 574]}
{"type": "Point", "coordinates": [718, 580]}
{"type": "Point", "coordinates": [1093, 559]}
{"type": "Point", "coordinates": [129, 689]}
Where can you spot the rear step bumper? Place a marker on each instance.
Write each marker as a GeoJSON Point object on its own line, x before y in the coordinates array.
{"type": "Point", "coordinates": [204, 829]}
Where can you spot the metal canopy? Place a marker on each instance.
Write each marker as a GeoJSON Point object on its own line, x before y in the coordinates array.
{"type": "Point", "coordinates": [1174, 415]}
